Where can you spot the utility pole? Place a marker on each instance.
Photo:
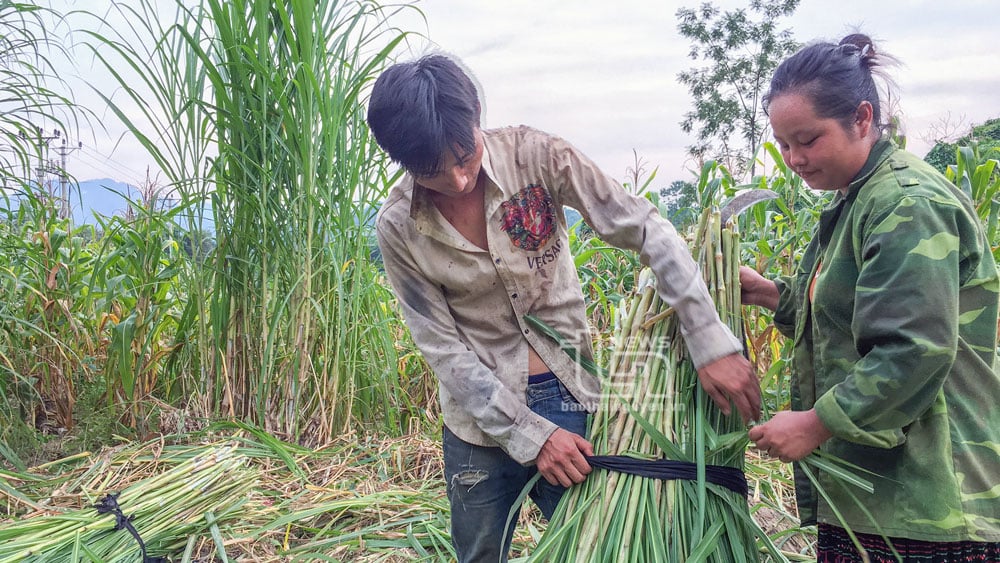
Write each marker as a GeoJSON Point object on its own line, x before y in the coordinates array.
{"type": "Point", "coordinates": [42, 144]}
{"type": "Point", "coordinates": [46, 167]}
{"type": "Point", "coordinates": [64, 208]}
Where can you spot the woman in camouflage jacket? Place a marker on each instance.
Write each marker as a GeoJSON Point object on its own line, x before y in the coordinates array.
{"type": "Point", "coordinates": [893, 314]}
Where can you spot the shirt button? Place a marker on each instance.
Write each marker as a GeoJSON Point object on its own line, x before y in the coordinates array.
{"type": "Point", "coordinates": [513, 296]}
{"type": "Point", "coordinates": [525, 331]}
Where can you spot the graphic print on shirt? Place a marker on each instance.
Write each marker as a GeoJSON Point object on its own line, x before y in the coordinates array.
{"type": "Point", "coordinates": [529, 218]}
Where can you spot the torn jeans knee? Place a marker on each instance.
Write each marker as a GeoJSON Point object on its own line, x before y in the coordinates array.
{"type": "Point", "coordinates": [469, 478]}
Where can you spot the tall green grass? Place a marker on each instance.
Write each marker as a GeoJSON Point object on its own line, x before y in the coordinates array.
{"type": "Point", "coordinates": [41, 257]}
{"type": "Point", "coordinates": [30, 96]}
{"type": "Point", "coordinates": [254, 111]}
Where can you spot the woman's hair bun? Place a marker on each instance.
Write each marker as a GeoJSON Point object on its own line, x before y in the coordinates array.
{"type": "Point", "coordinates": [862, 43]}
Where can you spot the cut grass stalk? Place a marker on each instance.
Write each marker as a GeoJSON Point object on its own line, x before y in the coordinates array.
{"type": "Point", "coordinates": [164, 509]}
{"type": "Point", "coordinates": [653, 407]}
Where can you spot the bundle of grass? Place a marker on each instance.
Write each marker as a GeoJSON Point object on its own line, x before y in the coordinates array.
{"type": "Point", "coordinates": [653, 408]}
{"type": "Point", "coordinates": [202, 488]}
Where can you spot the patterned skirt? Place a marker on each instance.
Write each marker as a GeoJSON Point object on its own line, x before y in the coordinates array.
{"type": "Point", "coordinates": [835, 546]}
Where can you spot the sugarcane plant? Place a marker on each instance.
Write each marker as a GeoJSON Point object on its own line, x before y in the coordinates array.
{"type": "Point", "coordinates": [653, 408]}
{"type": "Point", "coordinates": [253, 110]}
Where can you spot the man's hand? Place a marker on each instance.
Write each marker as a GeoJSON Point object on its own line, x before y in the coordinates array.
{"type": "Point", "coordinates": [732, 378]}
{"type": "Point", "coordinates": [561, 460]}
{"type": "Point", "coordinates": [790, 435]}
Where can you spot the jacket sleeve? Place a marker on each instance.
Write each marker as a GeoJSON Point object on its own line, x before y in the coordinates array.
{"type": "Point", "coordinates": [785, 312]}
{"type": "Point", "coordinates": [633, 223]}
{"type": "Point", "coordinates": [905, 322]}
{"type": "Point", "coordinates": [498, 412]}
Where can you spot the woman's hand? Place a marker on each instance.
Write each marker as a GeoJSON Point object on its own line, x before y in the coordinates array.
{"type": "Point", "coordinates": [755, 289]}
{"type": "Point", "coordinates": [790, 435]}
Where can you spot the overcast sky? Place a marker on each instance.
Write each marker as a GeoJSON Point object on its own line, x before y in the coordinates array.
{"type": "Point", "coordinates": [603, 74]}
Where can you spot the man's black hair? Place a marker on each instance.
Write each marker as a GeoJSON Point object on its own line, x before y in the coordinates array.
{"type": "Point", "coordinates": [420, 109]}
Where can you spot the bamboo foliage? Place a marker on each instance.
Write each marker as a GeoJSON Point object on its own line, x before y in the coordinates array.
{"type": "Point", "coordinates": [653, 408]}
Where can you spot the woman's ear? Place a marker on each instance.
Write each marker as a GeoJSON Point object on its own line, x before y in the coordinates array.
{"type": "Point", "coordinates": [863, 119]}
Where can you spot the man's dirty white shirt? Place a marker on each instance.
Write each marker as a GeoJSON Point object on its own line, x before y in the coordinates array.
{"type": "Point", "coordinates": [465, 306]}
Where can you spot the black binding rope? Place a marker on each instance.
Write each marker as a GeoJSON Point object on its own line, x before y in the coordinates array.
{"type": "Point", "coordinates": [109, 505]}
{"type": "Point", "coordinates": [666, 469]}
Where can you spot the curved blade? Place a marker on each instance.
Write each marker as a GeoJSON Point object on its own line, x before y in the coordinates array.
{"type": "Point", "coordinates": [743, 201]}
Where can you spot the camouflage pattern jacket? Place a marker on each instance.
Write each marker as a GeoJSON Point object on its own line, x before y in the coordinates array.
{"type": "Point", "coordinates": [893, 312]}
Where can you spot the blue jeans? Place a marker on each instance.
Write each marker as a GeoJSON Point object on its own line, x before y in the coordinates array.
{"type": "Point", "coordinates": [484, 482]}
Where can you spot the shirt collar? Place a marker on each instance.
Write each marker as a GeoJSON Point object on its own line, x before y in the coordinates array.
{"type": "Point", "coordinates": [880, 151]}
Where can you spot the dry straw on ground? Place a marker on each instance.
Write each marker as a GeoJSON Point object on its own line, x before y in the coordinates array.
{"type": "Point", "coordinates": [357, 499]}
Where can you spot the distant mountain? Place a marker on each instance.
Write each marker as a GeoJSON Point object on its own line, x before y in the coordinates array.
{"type": "Point", "coordinates": [106, 197]}
{"type": "Point", "coordinates": [572, 216]}
{"type": "Point", "coordinates": [103, 196]}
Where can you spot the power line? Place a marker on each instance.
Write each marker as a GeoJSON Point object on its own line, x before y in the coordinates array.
{"type": "Point", "coordinates": [111, 167]}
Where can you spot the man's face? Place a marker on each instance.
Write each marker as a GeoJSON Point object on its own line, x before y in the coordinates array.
{"type": "Point", "coordinates": [457, 175]}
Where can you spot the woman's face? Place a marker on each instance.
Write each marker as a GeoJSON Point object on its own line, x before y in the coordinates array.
{"type": "Point", "coordinates": [825, 153]}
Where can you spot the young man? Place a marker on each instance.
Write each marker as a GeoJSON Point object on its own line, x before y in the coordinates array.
{"type": "Point", "coordinates": [474, 239]}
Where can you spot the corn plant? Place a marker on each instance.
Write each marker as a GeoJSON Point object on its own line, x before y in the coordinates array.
{"type": "Point", "coordinates": [49, 328]}
{"type": "Point", "coordinates": [607, 274]}
{"type": "Point", "coordinates": [979, 177]}
{"type": "Point", "coordinates": [41, 255]}
{"type": "Point", "coordinates": [135, 286]}
{"type": "Point", "coordinates": [254, 113]}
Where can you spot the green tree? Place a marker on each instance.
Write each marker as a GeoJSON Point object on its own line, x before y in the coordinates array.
{"type": "Point", "coordinates": [741, 48]}
{"type": "Point", "coordinates": [986, 135]}
{"type": "Point", "coordinates": [680, 203]}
